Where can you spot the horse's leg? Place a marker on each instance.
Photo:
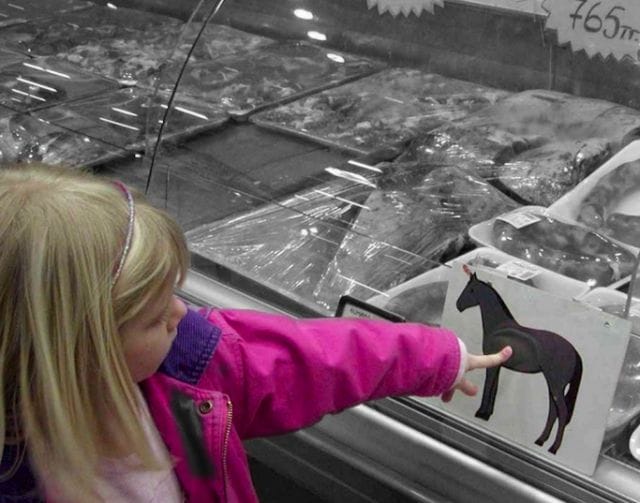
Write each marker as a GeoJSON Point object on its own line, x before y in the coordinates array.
{"type": "Point", "coordinates": [489, 393]}
{"type": "Point", "coordinates": [563, 417]}
{"type": "Point", "coordinates": [551, 417]}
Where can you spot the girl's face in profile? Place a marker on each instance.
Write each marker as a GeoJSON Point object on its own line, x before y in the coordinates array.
{"type": "Point", "coordinates": [148, 337]}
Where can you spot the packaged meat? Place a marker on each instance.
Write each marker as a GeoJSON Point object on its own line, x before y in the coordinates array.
{"type": "Point", "coordinates": [253, 79]}
{"type": "Point", "coordinates": [561, 246]}
{"type": "Point", "coordinates": [607, 201]}
{"type": "Point", "coordinates": [20, 11]}
{"type": "Point", "coordinates": [421, 304]}
{"type": "Point", "coordinates": [421, 299]}
{"type": "Point", "coordinates": [417, 218]}
{"type": "Point", "coordinates": [123, 117]}
{"type": "Point", "coordinates": [123, 44]}
{"type": "Point", "coordinates": [535, 145]}
{"type": "Point", "coordinates": [383, 109]}
{"type": "Point", "coordinates": [43, 82]}
{"type": "Point", "coordinates": [24, 138]}
{"type": "Point", "coordinates": [285, 245]}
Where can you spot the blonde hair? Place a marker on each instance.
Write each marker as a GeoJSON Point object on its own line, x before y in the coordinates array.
{"type": "Point", "coordinates": [62, 234]}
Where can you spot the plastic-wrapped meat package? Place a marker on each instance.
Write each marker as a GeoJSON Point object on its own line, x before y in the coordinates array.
{"type": "Point", "coordinates": [270, 74]}
{"type": "Point", "coordinates": [286, 246]}
{"type": "Point", "coordinates": [566, 248]}
{"type": "Point", "coordinates": [535, 145]}
{"type": "Point", "coordinates": [122, 117]}
{"type": "Point", "coordinates": [383, 109]}
{"type": "Point", "coordinates": [420, 304]}
{"type": "Point", "coordinates": [123, 44]}
{"type": "Point", "coordinates": [44, 82]}
{"type": "Point", "coordinates": [218, 40]}
{"type": "Point", "coordinates": [24, 138]}
{"type": "Point", "coordinates": [599, 209]}
{"type": "Point", "coordinates": [417, 217]}
{"type": "Point", "coordinates": [21, 11]}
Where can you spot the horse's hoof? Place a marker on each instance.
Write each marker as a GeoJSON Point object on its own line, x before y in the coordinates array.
{"type": "Point", "coordinates": [540, 441]}
{"type": "Point", "coordinates": [483, 415]}
{"type": "Point", "coordinates": [553, 449]}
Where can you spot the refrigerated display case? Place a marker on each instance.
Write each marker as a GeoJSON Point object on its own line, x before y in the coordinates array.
{"type": "Point", "coordinates": [315, 149]}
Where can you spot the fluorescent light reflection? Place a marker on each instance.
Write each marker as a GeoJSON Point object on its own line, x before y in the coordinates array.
{"type": "Point", "coordinates": [303, 14]}
{"type": "Point", "coordinates": [119, 124]}
{"type": "Point", "coordinates": [36, 84]}
{"type": "Point", "coordinates": [124, 112]}
{"type": "Point", "coordinates": [316, 35]}
{"type": "Point", "coordinates": [335, 57]}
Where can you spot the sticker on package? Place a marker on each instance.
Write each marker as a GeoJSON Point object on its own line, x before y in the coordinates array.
{"type": "Point", "coordinates": [552, 397]}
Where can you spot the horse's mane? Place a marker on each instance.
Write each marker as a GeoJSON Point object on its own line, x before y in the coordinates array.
{"type": "Point", "coordinates": [502, 303]}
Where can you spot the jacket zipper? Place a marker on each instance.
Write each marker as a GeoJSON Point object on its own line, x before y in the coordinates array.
{"type": "Point", "coordinates": [225, 447]}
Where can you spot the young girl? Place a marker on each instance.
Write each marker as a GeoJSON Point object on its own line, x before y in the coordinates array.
{"type": "Point", "coordinates": [95, 348]}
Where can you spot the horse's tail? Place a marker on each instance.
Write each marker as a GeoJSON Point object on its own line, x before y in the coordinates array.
{"type": "Point", "coordinates": [574, 387]}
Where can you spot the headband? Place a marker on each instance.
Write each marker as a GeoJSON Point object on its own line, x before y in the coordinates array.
{"type": "Point", "coordinates": [127, 242]}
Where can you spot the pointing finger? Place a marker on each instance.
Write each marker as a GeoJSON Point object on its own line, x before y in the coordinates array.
{"type": "Point", "coordinates": [493, 360]}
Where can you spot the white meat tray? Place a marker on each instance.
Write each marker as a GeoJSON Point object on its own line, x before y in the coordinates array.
{"type": "Point", "coordinates": [568, 206]}
{"type": "Point", "coordinates": [538, 277]}
{"type": "Point", "coordinates": [481, 234]}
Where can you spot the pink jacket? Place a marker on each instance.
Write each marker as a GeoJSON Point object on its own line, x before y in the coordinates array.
{"type": "Point", "coordinates": [253, 374]}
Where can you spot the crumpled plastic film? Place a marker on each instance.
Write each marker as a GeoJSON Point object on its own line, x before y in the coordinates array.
{"type": "Point", "coordinates": [599, 208]}
{"type": "Point", "coordinates": [417, 217]}
{"type": "Point", "coordinates": [566, 248]}
{"type": "Point", "coordinates": [25, 138]}
{"type": "Point", "coordinates": [381, 110]}
{"type": "Point", "coordinates": [285, 245]}
{"type": "Point", "coordinates": [535, 145]}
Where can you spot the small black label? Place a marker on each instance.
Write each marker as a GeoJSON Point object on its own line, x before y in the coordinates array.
{"type": "Point", "coordinates": [350, 307]}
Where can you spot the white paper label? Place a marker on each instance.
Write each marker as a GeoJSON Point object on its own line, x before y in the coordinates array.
{"type": "Point", "coordinates": [520, 219]}
{"type": "Point", "coordinates": [605, 27]}
{"type": "Point", "coordinates": [406, 7]}
{"type": "Point", "coordinates": [519, 270]}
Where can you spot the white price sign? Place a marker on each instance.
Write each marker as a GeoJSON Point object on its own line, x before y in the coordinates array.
{"type": "Point", "coordinates": [406, 7]}
{"type": "Point", "coordinates": [605, 27]}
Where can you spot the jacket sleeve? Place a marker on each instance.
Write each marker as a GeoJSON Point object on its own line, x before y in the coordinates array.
{"type": "Point", "coordinates": [283, 373]}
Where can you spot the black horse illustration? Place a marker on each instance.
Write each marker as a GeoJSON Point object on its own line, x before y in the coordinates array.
{"type": "Point", "coordinates": [533, 351]}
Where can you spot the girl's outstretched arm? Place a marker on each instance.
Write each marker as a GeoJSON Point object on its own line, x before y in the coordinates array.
{"type": "Point", "coordinates": [284, 373]}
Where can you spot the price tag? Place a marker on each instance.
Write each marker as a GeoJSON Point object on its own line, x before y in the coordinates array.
{"type": "Point", "coordinates": [350, 307]}
{"type": "Point", "coordinates": [605, 27]}
{"type": "Point", "coordinates": [519, 270]}
{"type": "Point", "coordinates": [406, 7]}
{"type": "Point", "coordinates": [520, 219]}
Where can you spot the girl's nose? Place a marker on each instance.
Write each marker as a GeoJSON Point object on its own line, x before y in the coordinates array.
{"type": "Point", "coordinates": [178, 311]}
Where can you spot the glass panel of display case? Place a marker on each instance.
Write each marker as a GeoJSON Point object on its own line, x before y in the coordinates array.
{"type": "Point", "coordinates": [320, 148]}
{"type": "Point", "coordinates": [472, 125]}
{"type": "Point", "coordinates": [21, 11]}
{"type": "Point", "coordinates": [126, 45]}
{"type": "Point", "coordinates": [121, 117]}
{"type": "Point", "coordinates": [27, 138]}
{"type": "Point", "coordinates": [43, 82]}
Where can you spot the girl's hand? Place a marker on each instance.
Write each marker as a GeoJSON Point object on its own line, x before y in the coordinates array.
{"type": "Point", "coordinates": [478, 362]}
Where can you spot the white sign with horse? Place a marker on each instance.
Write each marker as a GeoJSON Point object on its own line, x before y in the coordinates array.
{"type": "Point", "coordinates": [554, 393]}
